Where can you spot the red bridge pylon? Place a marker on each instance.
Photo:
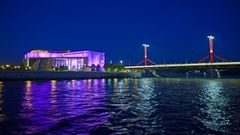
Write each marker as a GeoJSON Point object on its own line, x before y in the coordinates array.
{"type": "Point", "coordinates": [145, 61]}
{"type": "Point", "coordinates": [211, 55]}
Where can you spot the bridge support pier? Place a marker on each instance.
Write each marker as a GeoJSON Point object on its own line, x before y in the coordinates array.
{"type": "Point", "coordinates": [214, 73]}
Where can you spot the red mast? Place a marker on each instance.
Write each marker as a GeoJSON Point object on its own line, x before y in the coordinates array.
{"type": "Point", "coordinates": [211, 53]}
{"type": "Point", "coordinates": [211, 49]}
{"type": "Point", "coordinates": [145, 53]}
{"type": "Point", "coordinates": [145, 60]}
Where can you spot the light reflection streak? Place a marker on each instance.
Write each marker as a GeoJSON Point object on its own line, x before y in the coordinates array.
{"type": "Point", "coordinates": [53, 91]}
{"type": "Point", "coordinates": [84, 83]}
{"type": "Point", "coordinates": [73, 82]}
{"type": "Point", "coordinates": [125, 86]}
{"type": "Point", "coordinates": [115, 86]}
{"type": "Point", "coordinates": [147, 88]}
{"type": "Point", "coordinates": [109, 82]}
{"type": "Point", "coordinates": [28, 92]}
{"type": "Point", "coordinates": [53, 85]}
{"type": "Point", "coordinates": [120, 87]}
{"type": "Point", "coordinates": [215, 106]}
{"type": "Point", "coordinates": [135, 86]}
{"type": "Point", "coordinates": [95, 82]}
{"type": "Point", "coordinates": [95, 85]}
{"type": "Point", "coordinates": [103, 85]}
{"type": "Point", "coordinates": [147, 105]}
{"type": "Point", "coordinates": [89, 82]}
{"type": "Point", "coordinates": [2, 115]}
{"type": "Point", "coordinates": [1, 88]}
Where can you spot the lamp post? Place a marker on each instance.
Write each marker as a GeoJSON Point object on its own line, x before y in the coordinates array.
{"type": "Point", "coordinates": [145, 53]}
{"type": "Point", "coordinates": [211, 48]}
{"type": "Point", "coordinates": [121, 62]}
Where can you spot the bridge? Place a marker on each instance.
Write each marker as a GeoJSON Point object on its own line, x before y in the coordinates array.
{"type": "Point", "coordinates": [187, 65]}
{"type": "Point", "coordinates": [209, 69]}
{"type": "Point", "coordinates": [190, 70]}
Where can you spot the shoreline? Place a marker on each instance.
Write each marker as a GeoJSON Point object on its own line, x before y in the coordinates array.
{"type": "Point", "coordinates": [63, 75]}
{"type": "Point", "coordinates": [70, 75]}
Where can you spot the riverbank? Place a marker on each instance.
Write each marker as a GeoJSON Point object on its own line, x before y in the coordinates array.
{"type": "Point", "coordinates": [62, 75]}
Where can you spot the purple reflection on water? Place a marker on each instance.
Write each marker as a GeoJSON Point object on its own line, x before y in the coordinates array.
{"type": "Point", "coordinates": [76, 105]}
{"type": "Point", "coordinates": [120, 106]}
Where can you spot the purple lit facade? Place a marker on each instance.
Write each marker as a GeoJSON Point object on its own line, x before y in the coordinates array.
{"type": "Point", "coordinates": [74, 61]}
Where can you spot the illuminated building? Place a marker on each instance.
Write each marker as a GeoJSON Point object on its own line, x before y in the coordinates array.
{"type": "Point", "coordinates": [44, 60]}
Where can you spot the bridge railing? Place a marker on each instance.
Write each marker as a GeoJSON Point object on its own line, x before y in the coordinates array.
{"type": "Point", "coordinates": [185, 65]}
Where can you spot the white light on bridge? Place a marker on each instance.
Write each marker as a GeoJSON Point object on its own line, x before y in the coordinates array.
{"type": "Point", "coordinates": [210, 37]}
{"type": "Point", "coordinates": [145, 45]}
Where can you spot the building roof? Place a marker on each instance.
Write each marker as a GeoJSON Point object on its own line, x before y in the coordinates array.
{"type": "Point", "coordinates": [60, 54]}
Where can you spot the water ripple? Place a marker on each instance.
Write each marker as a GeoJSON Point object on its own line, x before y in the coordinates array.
{"type": "Point", "coordinates": [120, 106]}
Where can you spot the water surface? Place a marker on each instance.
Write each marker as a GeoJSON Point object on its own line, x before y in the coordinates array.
{"type": "Point", "coordinates": [120, 106]}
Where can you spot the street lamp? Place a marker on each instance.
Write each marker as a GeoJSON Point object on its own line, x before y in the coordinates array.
{"type": "Point", "coordinates": [211, 48]}
{"type": "Point", "coordinates": [145, 53]}
{"type": "Point", "coordinates": [121, 62]}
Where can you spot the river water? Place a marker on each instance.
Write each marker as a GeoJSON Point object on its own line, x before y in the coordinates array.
{"type": "Point", "coordinates": [120, 106]}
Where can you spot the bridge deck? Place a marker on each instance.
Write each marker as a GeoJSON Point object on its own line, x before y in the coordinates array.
{"type": "Point", "coordinates": [188, 65]}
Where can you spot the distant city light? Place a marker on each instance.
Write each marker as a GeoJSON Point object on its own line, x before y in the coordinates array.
{"type": "Point", "coordinates": [121, 62]}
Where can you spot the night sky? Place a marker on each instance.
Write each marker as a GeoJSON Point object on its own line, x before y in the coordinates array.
{"type": "Point", "coordinates": [176, 30]}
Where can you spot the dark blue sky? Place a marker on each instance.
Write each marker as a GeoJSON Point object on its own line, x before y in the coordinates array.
{"type": "Point", "coordinates": [175, 29]}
